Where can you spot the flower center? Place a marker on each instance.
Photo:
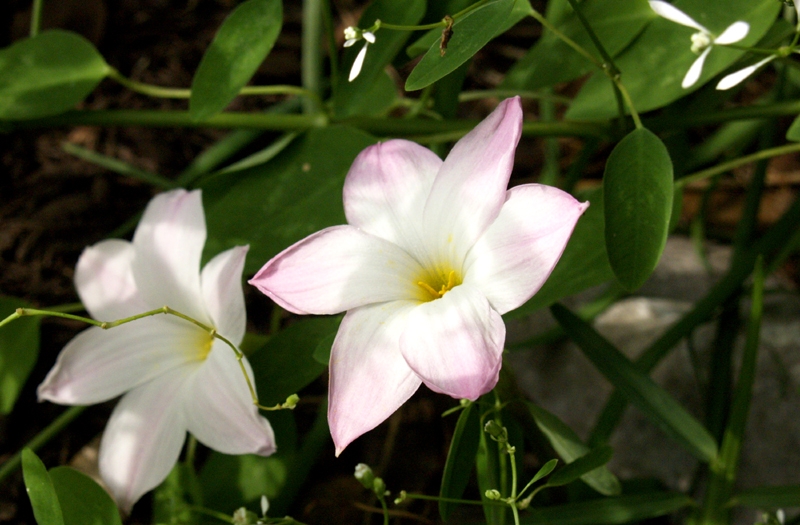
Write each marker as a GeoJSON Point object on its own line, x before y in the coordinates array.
{"type": "Point", "coordinates": [200, 347]}
{"type": "Point", "coordinates": [700, 41]}
{"type": "Point", "coordinates": [439, 285]}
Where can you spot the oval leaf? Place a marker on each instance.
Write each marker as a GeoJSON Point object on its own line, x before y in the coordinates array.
{"type": "Point", "coordinates": [638, 191]}
{"type": "Point", "coordinates": [40, 489]}
{"type": "Point", "coordinates": [83, 501]}
{"type": "Point", "coordinates": [546, 469]}
{"type": "Point", "coordinates": [19, 348]}
{"type": "Point", "coordinates": [470, 34]}
{"type": "Point", "coordinates": [632, 383]}
{"type": "Point", "coordinates": [245, 38]}
{"type": "Point", "coordinates": [460, 459]}
{"type": "Point", "coordinates": [48, 74]}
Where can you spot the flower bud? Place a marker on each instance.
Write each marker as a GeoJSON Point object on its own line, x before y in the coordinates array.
{"type": "Point", "coordinates": [365, 475]}
{"type": "Point", "coordinates": [493, 494]}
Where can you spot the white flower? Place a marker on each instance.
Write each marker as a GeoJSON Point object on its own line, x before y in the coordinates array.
{"type": "Point", "coordinates": [354, 35]}
{"type": "Point", "coordinates": [703, 40]}
{"type": "Point", "coordinates": [737, 77]}
{"type": "Point", "coordinates": [434, 253]}
{"type": "Point", "coordinates": [174, 375]}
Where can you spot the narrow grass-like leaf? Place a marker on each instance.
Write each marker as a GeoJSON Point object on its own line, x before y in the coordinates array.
{"type": "Point", "coordinates": [638, 192]}
{"type": "Point", "coordinates": [651, 399]}
{"type": "Point", "coordinates": [592, 460]}
{"type": "Point", "coordinates": [44, 499]}
{"type": "Point", "coordinates": [460, 458]}
{"type": "Point", "coordinates": [782, 496]}
{"type": "Point", "coordinates": [568, 445]}
{"type": "Point", "coordinates": [546, 469]}
{"type": "Point", "coordinates": [48, 74]}
{"type": "Point", "coordinates": [19, 349]}
{"type": "Point", "coordinates": [242, 43]}
{"type": "Point", "coordinates": [82, 500]}
{"type": "Point", "coordinates": [609, 511]}
{"type": "Point", "coordinates": [470, 34]}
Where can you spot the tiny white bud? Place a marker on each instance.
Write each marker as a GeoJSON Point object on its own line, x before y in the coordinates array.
{"type": "Point", "coordinates": [362, 471]}
{"type": "Point", "coordinates": [700, 41]}
{"type": "Point", "coordinates": [350, 33]}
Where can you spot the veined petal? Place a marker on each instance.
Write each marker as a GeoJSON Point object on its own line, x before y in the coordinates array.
{"type": "Point", "coordinates": [219, 408]}
{"type": "Point", "coordinates": [104, 279]}
{"type": "Point", "coordinates": [471, 185]}
{"type": "Point", "coordinates": [695, 70]}
{"type": "Point", "coordinates": [516, 255]}
{"type": "Point", "coordinates": [369, 378]}
{"type": "Point", "coordinates": [168, 243]}
{"type": "Point", "coordinates": [143, 439]}
{"type": "Point", "coordinates": [358, 63]}
{"type": "Point", "coordinates": [98, 365]}
{"type": "Point", "coordinates": [733, 33]}
{"type": "Point", "coordinates": [670, 12]}
{"type": "Point", "coordinates": [337, 269]}
{"type": "Point", "coordinates": [455, 344]}
{"type": "Point", "coordinates": [386, 189]}
{"type": "Point", "coordinates": [737, 77]}
{"type": "Point", "coordinates": [221, 281]}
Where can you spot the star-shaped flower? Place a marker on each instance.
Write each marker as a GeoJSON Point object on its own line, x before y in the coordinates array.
{"type": "Point", "coordinates": [174, 375]}
{"type": "Point", "coordinates": [353, 35]}
{"type": "Point", "coordinates": [703, 40]}
{"type": "Point", "coordinates": [434, 253]}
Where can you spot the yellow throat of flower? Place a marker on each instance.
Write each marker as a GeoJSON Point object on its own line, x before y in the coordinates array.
{"type": "Point", "coordinates": [200, 347]}
{"type": "Point", "coordinates": [435, 286]}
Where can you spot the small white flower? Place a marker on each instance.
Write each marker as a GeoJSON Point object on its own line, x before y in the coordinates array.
{"type": "Point", "coordinates": [733, 79]}
{"type": "Point", "coordinates": [703, 40]}
{"type": "Point", "coordinates": [354, 35]}
{"type": "Point", "coordinates": [351, 35]}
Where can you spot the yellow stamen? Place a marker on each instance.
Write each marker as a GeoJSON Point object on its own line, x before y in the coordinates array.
{"type": "Point", "coordinates": [451, 282]}
{"type": "Point", "coordinates": [428, 289]}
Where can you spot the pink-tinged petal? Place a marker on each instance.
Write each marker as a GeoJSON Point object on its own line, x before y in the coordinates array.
{"type": "Point", "coordinates": [143, 439]}
{"type": "Point", "coordinates": [219, 408]}
{"type": "Point", "coordinates": [471, 185]}
{"type": "Point", "coordinates": [670, 12]}
{"type": "Point", "coordinates": [738, 77]}
{"type": "Point", "coordinates": [733, 33]}
{"type": "Point", "coordinates": [695, 70]}
{"type": "Point", "coordinates": [168, 243]}
{"type": "Point", "coordinates": [369, 379]}
{"type": "Point", "coordinates": [337, 269]}
{"type": "Point", "coordinates": [221, 281]}
{"type": "Point", "coordinates": [104, 280]}
{"type": "Point", "coordinates": [516, 255]}
{"type": "Point", "coordinates": [455, 344]}
{"type": "Point", "coordinates": [98, 365]}
{"type": "Point", "coordinates": [386, 189]}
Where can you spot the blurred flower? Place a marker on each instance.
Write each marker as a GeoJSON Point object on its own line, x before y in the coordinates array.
{"type": "Point", "coordinates": [728, 81]}
{"type": "Point", "coordinates": [174, 375]}
{"type": "Point", "coordinates": [434, 253]}
{"type": "Point", "coordinates": [353, 35]}
{"type": "Point", "coordinates": [703, 40]}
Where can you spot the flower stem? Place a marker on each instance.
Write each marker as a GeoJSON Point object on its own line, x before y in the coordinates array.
{"type": "Point", "coordinates": [41, 438]}
{"type": "Point", "coordinates": [442, 23]}
{"type": "Point", "coordinates": [731, 164]}
{"type": "Point", "coordinates": [106, 325]}
{"type": "Point", "coordinates": [311, 57]}
{"type": "Point", "coordinates": [36, 17]}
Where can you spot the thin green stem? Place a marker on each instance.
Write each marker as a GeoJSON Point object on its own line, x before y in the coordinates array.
{"type": "Point", "coordinates": [425, 27]}
{"type": "Point", "coordinates": [117, 166]}
{"type": "Point", "coordinates": [637, 121]}
{"type": "Point", "coordinates": [311, 53]}
{"type": "Point", "coordinates": [210, 513]}
{"type": "Point", "coordinates": [69, 415]}
{"type": "Point", "coordinates": [731, 164]}
{"type": "Point", "coordinates": [36, 17]}
{"type": "Point", "coordinates": [385, 510]}
{"type": "Point", "coordinates": [330, 41]}
{"type": "Point", "coordinates": [68, 308]}
{"type": "Point", "coordinates": [564, 38]}
{"type": "Point", "coordinates": [426, 497]}
{"type": "Point", "coordinates": [106, 325]}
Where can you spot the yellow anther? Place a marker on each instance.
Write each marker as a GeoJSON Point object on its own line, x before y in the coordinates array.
{"type": "Point", "coordinates": [428, 289]}
{"type": "Point", "coordinates": [451, 282]}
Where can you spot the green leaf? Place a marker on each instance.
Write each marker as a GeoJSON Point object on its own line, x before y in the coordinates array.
{"type": "Point", "coordinates": [83, 501]}
{"type": "Point", "coordinates": [638, 192]}
{"type": "Point", "coordinates": [470, 34]}
{"type": "Point", "coordinates": [609, 511]}
{"type": "Point", "coordinates": [767, 497]}
{"type": "Point", "coordinates": [651, 399]}
{"type": "Point", "coordinates": [44, 499]}
{"type": "Point", "coordinates": [242, 43]}
{"type": "Point", "coordinates": [583, 264]}
{"type": "Point", "coordinates": [322, 354]}
{"type": "Point", "coordinates": [592, 460]}
{"type": "Point", "coordinates": [568, 445]}
{"type": "Point", "coordinates": [286, 364]}
{"type": "Point", "coordinates": [48, 74]}
{"type": "Point", "coordinates": [521, 9]}
{"type": "Point", "coordinates": [274, 205]}
{"type": "Point", "coordinates": [19, 349]}
{"type": "Point", "coordinates": [653, 66]}
{"type": "Point", "coordinates": [546, 469]}
{"type": "Point", "coordinates": [460, 458]}
{"type": "Point", "coordinates": [551, 61]}
{"type": "Point", "coordinates": [349, 97]}
{"type": "Point", "coordinates": [793, 133]}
